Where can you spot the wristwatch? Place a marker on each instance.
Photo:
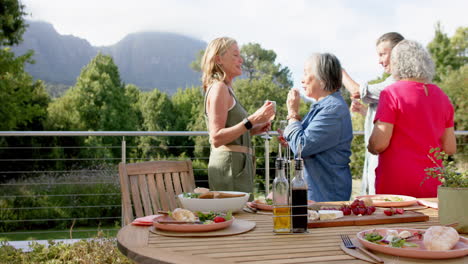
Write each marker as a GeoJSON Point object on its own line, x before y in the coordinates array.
{"type": "Point", "coordinates": [247, 123]}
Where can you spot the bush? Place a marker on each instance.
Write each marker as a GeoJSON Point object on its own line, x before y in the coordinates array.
{"type": "Point", "coordinates": [98, 250]}
{"type": "Point", "coordinates": [65, 196]}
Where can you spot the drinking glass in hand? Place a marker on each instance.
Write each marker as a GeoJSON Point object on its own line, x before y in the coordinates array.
{"type": "Point", "coordinates": [267, 135]}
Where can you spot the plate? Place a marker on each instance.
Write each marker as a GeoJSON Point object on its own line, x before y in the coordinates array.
{"type": "Point", "coordinates": [459, 250]}
{"type": "Point", "coordinates": [395, 200]}
{"type": "Point", "coordinates": [267, 207]}
{"type": "Point", "coordinates": [189, 227]}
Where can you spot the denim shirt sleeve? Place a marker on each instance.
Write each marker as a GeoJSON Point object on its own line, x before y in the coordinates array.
{"type": "Point", "coordinates": [317, 133]}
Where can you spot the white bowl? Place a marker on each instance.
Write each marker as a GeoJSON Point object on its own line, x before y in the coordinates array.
{"type": "Point", "coordinates": [216, 205]}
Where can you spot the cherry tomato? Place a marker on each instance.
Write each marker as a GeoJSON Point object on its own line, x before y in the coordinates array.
{"type": "Point", "coordinates": [219, 219]}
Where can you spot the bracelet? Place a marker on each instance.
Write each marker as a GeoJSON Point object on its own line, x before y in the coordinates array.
{"type": "Point", "coordinates": [293, 116]}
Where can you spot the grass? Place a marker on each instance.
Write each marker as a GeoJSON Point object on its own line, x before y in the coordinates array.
{"type": "Point", "coordinates": [47, 234]}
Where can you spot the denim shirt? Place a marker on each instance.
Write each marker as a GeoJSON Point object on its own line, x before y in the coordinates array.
{"type": "Point", "coordinates": [325, 134]}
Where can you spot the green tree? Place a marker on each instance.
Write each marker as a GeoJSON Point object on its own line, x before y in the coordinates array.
{"type": "Point", "coordinates": [446, 56]}
{"type": "Point", "coordinates": [455, 85]}
{"type": "Point", "coordinates": [189, 108]}
{"type": "Point", "coordinates": [259, 62]}
{"type": "Point", "coordinates": [23, 100]}
{"type": "Point", "coordinates": [158, 115]}
{"type": "Point", "coordinates": [98, 102]}
{"type": "Point", "coordinates": [12, 24]}
{"type": "Point", "coordinates": [196, 64]}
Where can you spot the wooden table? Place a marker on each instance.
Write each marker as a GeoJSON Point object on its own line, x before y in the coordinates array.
{"type": "Point", "coordinates": [260, 245]}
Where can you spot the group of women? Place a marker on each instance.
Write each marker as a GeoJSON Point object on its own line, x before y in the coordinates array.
{"type": "Point", "coordinates": [406, 116]}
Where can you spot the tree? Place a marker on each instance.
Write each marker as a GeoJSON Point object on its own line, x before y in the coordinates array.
{"type": "Point", "coordinates": [459, 42]}
{"type": "Point", "coordinates": [98, 102]}
{"type": "Point", "coordinates": [189, 108]}
{"type": "Point", "coordinates": [23, 100]}
{"type": "Point", "coordinates": [259, 62]}
{"type": "Point", "coordinates": [12, 25]}
{"type": "Point", "coordinates": [158, 115]}
{"type": "Point", "coordinates": [446, 56]}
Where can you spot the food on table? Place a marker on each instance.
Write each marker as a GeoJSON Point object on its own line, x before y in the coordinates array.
{"type": "Point", "coordinates": [393, 199]}
{"type": "Point", "coordinates": [400, 211]}
{"type": "Point", "coordinates": [313, 215]}
{"type": "Point", "coordinates": [346, 210]}
{"type": "Point", "coordinates": [191, 195]}
{"type": "Point", "coordinates": [205, 193]}
{"type": "Point", "coordinates": [440, 238]}
{"type": "Point", "coordinates": [368, 201]}
{"type": "Point", "coordinates": [219, 219]}
{"type": "Point", "coordinates": [388, 212]}
{"type": "Point", "coordinates": [201, 190]}
{"type": "Point", "coordinates": [180, 214]}
{"type": "Point", "coordinates": [219, 195]}
{"type": "Point", "coordinates": [392, 238]}
{"type": "Point", "coordinates": [359, 207]}
{"type": "Point", "coordinates": [391, 211]}
{"type": "Point", "coordinates": [185, 215]}
{"type": "Point", "coordinates": [263, 200]}
{"type": "Point", "coordinates": [330, 214]}
{"type": "Point", "coordinates": [404, 234]}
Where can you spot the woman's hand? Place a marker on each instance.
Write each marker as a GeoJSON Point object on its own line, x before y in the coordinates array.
{"type": "Point", "coordinates": [281, 138]}
{"type": "Point", "coordinates": [357, 107]}
{"type": "Point", "coordinates": [260, 128]}
{"type": "Point", "coordinates": [263, 115]}
{"type": "Point", "coordinates": [293, 102]}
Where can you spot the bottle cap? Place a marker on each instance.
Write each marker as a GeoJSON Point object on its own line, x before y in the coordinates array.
{"type": "Point", "coordinates": [279, 163]}
{"type": "Point", "coordinates": [298, 164]}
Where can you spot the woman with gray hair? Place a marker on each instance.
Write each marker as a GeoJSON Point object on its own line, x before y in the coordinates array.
{"type": "Point", "coordinates": [413, 116]}
{"type": "Point", "coordinates": [325, 133]}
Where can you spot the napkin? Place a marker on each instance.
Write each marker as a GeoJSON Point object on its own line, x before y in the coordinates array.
{"type": "Point", "coordinates": [428, 204]}
{"type": "Point", "coordinates": [146, 220]}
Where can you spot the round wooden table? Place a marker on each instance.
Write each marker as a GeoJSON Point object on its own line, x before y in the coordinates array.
{"type": "Point", "coordinates": [260, 245]}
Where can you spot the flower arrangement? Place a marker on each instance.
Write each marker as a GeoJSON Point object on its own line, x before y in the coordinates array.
{"type": "Point", "coordinates": [446, 172]}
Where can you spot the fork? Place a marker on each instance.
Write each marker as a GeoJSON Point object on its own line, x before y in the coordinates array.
{"type": "Point", "coordinates": [349, 244]}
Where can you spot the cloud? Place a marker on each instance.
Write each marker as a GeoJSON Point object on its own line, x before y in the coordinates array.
{"type": "Point", "coordinates": [292, 28]}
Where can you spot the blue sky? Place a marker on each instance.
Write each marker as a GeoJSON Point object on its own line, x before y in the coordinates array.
{"type": "Point", "coordinates": [294, 29]}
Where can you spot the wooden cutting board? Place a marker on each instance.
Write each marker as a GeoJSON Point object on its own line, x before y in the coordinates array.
{"type": "Point", "coordinates": [378, 217]}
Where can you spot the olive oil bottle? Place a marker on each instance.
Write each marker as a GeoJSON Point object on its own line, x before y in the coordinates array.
{"type": "Point", "coordinates": [281, 207]}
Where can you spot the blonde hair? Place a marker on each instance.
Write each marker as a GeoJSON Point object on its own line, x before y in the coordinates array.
{"type": "Point", "coordinates": [211, 70]}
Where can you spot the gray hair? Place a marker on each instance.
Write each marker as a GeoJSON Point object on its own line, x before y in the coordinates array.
{"type": "Point", "coordinates": [411, 60]}
{"type": "Point", "coordinates": [327, 69]}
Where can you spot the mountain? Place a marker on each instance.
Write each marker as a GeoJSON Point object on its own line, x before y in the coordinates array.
{"type": "Point", "coordinates": [149, 59]}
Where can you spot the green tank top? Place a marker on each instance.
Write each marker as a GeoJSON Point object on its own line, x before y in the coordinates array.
{"type": "Point", "coordinates": [232, 171]}
{"type": "Point", "coordinates": [235, 115]}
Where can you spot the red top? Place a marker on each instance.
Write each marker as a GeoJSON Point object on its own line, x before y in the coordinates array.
{"type": "Point", "coordinates": [419, 122]}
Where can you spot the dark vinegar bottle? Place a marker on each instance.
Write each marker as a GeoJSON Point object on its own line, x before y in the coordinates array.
{"type": "Point", "coordinates": [299, 199]}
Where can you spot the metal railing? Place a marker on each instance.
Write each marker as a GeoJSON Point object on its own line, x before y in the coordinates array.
{"type": "Point", "coordinates": [74, 178]}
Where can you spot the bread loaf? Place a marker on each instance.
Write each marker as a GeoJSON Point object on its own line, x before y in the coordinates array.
{"type": "Point", "coordinates": [440, 238]}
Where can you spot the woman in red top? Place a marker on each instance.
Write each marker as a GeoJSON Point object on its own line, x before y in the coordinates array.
{"type": "Point", "coordinates": [413, 116]}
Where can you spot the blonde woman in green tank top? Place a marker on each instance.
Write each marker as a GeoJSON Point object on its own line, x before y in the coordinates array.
{"type": "Point", "coordinates": [229, 125]}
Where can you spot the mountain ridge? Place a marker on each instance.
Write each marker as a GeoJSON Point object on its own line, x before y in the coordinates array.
{"type": "Point", "coordinates": [148, 59]}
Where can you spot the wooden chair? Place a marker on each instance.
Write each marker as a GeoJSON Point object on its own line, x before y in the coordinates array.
{"type": "Point", "coordinates": [151, 186]}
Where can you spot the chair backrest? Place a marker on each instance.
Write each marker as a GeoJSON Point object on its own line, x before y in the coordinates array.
{"type": "Point", "coordinates": [151, 186]}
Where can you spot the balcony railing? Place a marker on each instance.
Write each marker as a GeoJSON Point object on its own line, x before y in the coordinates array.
{"type": "Point", "coordinates": [77, 195]}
